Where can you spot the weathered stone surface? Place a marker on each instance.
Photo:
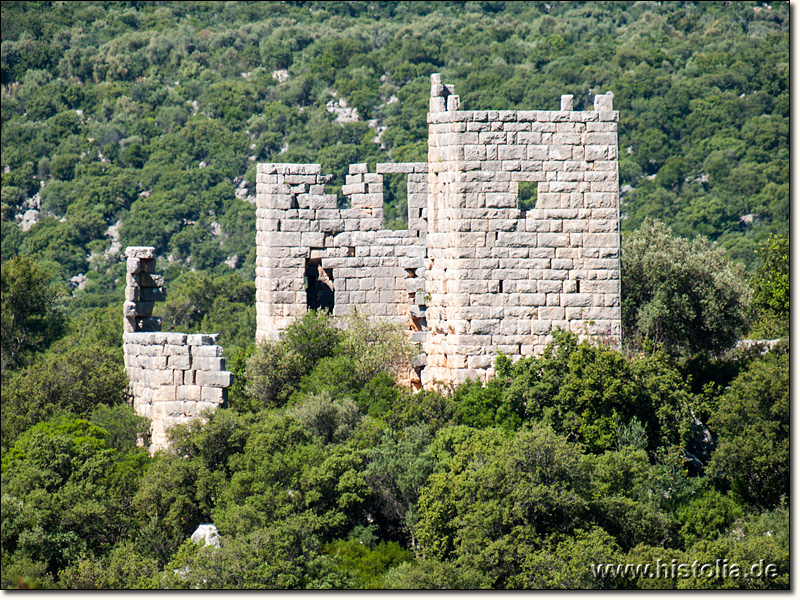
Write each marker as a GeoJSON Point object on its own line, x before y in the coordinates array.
{"type": "Point", "coordinates": [146, 252]}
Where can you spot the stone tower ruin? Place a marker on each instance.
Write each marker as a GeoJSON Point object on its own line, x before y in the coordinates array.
{"type": "Point", "coordinates": [476, 273]}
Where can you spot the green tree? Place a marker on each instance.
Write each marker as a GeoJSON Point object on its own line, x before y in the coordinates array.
{"type": "Point", "coordinates": [66, 494]}
{"type": "Point", "coordinates": [75, 381]}
{"type": "Point", "coordinates": [771, 288]}
{"type": "Point", "coordinates": [497, 494]}
{"type": "Point", "coordinates": [683, 295]}
{"type": "Point", "coordinates": [121, 569]}
{"type": "Point", "coordinates": [31, 319]}
{"type": "Point", "coordinates": [752, 425]}
{"type": "Point", "coordinates": [591, 393]}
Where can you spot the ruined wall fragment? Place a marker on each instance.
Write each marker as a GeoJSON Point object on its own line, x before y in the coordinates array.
{"type": "Point", "coordinates": [173, 377]}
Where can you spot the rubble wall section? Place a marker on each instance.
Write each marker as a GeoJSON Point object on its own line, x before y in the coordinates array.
{"type": "Point", "coordinates": [174, 377]}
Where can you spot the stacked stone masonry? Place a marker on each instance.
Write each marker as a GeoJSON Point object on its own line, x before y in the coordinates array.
{"type": "Point", "coordinates": [173, 377]}
{"type": "Point", "coordinates": [474, 274]}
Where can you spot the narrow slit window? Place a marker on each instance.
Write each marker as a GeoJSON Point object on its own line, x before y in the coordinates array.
{"type": "Point", "coordinates": [395, 201]}
{"type": "Point", "coordinates": [527, 194]}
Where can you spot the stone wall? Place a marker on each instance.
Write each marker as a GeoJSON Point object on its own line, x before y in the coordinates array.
{"type": "Point", "coordinates": [474, 274]}
{"type": "Point", "coordinates": [173, 377]}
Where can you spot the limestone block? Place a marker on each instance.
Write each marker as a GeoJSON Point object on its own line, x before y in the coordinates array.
{"type": "Point", "coordinates": [174, 339]}
{"type": "Point", "coordinates": [438, 105]}
{"type": "Point", "coordinates": [453, 103]}
{"type": "Point", "coordinates": [561, 263]}
{"type": "Point", "coordinates": [152, 294]}
{"type": "Point", "coordinates": [148, 324]}
{"type": "Point", "coordinates": [144, 309]}
{"type": "Point", "coordinates": [603, 102]}
{"type": "Point", "coordinates": [178, 361]}
{"type": "Point", "coordinates": [214, 379]}
{"type": "Point", "coordinates": [598, 138]}
{"type": "Point", "coordinates": [137, 265]}
{"type": "Point", "coordinates": [552, 240]}
{"type": "Point", "coordinates": [201, 339]}
{"type": "Point", "coordinates": [355, 188]}
{"type": "Point", "coordinates": [150, 280]}
{"type": "Point", "coordinates": [576, 300]}
{"type": "Point", "coordinates": [331, 225]}
{"type": "Point", "coordinates": [188, 393]}
{"type": "Point", "coordinates": [211, 396]}
{"type": "Point", "coordinates": [129, 325]}
{"type": "Point", "coordinates": [604, 213]}
{"type": "Point", "coordinates": [601, 226]}
{"type": "Point", "coordinates": [394, 168]}
{"type": "Point", "coordinates": [566, 102]}
{"type": "Point", "coordinates": [593, 153]}
{"type": "Point", "coordinates": [145, 252]}
{"type": "Point", "coordinates": [295, 180]}
{"type": "Point", "coordinates": [601, 240]}
{"type": "Point", "coordinates": [551, 313]}
{"type": "Point", "coordinates": [129, 309]}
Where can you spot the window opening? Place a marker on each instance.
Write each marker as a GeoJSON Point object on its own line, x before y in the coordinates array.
{"type": "Point", "coordinates": [395, 201]}
{"type": "Point", "coordinates": [527, 194]}
{"type": "Point", "coordinates": [319, 286]}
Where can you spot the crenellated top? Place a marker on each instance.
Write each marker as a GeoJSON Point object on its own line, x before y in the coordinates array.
{"type": "Point", "coordinates": [445, 107]}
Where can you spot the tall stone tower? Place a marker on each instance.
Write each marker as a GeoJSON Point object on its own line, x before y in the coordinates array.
{"type": "Point", "coordinates": [501, 278]}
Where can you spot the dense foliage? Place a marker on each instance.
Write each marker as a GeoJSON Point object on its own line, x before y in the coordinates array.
{"type": "Point", "coordinates": [580, 456]}
{"type": "Point", "coordinates": [140, 123]}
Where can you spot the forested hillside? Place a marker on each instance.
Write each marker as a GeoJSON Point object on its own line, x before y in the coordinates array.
{"type": "Point", "coordinates": [140, 123]}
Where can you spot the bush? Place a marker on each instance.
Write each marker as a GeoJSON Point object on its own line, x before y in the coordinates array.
{"type": "Point", "coordinates": [685, 296]}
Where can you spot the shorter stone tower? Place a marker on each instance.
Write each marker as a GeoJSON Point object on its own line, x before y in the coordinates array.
{"type": "Point", "coordinates": [173, 377]}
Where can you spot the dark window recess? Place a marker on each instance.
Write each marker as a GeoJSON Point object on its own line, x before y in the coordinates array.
{"type": "Point", "coordinates": [527, 194]}
{"type": "Point", "coordinates": [500, 286]}
{"type": "Point", "coordinates": [351, 251]}
{"type": "Point", "coordinates": [319, 286]}
{"type": "Point", "coordinates": [395, 201]}
{"type": "Point", "coordinates": [578, 286]}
